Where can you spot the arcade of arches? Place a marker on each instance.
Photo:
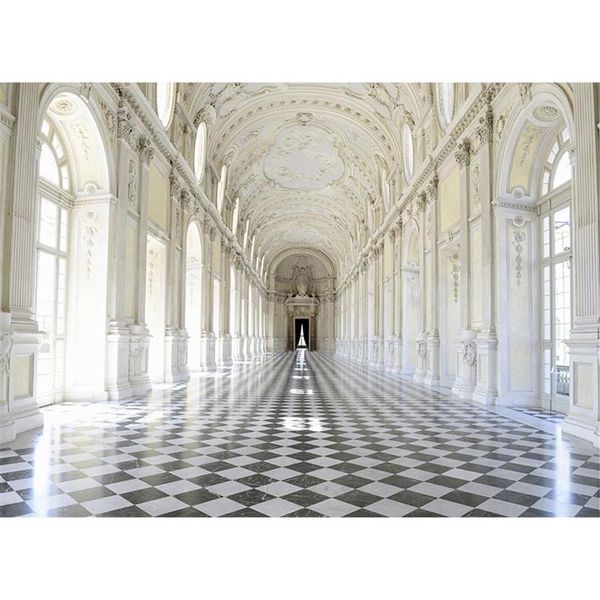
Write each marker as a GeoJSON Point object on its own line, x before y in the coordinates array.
{"type": "Point", "coordinates": [446, 234]}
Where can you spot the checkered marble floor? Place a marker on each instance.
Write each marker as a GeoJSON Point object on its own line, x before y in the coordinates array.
{"type": "Point", "coordinates": [547, 415]}
{"type": "Point", "coordinates": [295, 434]}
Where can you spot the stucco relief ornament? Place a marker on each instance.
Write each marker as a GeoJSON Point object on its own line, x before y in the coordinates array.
{"type": "Point", "coordinates": [109, 119]}
{"type": "Point", "coordinates": [485, 130]}
{"type": "Point", "coordinates": [125, 126]}
{"type": "Point", "coordinates": [455, 277]}
{"type": "Point", "coordinates": [136, 349]}
{"type": "Point", "coordinates": [525, 92]}
{"type": "Point", "coordinates": [469, 354]}
{"type": "Point", "coordinates": [132, 185]}
{"type": "Point", "coordinates": [518, 239]}
{"type": "Point", "coordinates": [145, 149]}
{"type": "Point", "coordinates": [90, 229]}
{"type": "Point", "coordinates": [463, 153]}
{"type": "Point", "coordinates": [422, 349]}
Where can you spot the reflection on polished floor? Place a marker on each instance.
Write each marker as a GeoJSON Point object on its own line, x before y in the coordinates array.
{"type": "Point", "coordinates": [296, 434]}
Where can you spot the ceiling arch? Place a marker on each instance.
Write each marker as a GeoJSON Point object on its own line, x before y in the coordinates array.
{"type": "Point", "coordinates": [306, 160]}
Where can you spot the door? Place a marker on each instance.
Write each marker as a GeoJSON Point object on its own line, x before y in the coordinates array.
{"type": "Point", "coordinates": [301, 334]}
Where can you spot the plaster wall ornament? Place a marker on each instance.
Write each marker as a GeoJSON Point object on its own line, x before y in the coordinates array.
{"type": "Point", "coordinates": [463, 153]}
{"type": "Point", "coordinates": [527, 141]}
{"type": "Point", "coordinates": [422, 349]}
{"type": "Point", "coordinates": [125, 125]}
{"type": "Point", "coordinates": [85, 90]}
{"type": "Point", "coordinates": [90, 229]}
{"type": "Point", "coordinates": [485, 129]}
{"type": "Point", "coordinates": [110, 119]}
{"type": "Point", "coordinates": [546, 113]}
{"type": "Point", "coordinates": [470, 353]}
{"type": "Point", "coordinates": [145, 149]}
{"type": "Point", "coordinates": [455, 281]}
{"type": "Point", "coordinates": [519, 238]}
{"type": "Point", "coordinates": [132, 186]}
{"type": "Point", "coordinates": [525, 92]}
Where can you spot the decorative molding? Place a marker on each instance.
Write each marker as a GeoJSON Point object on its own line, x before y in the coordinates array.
{"type": "Point", "coordinates": [469, 353]}
{"type": "Point", "coordinates": [132, 196]}
{"type": "Point", "coordinates": [90, 229]}
{"type": "Point", "coordinates": [145, 149]}
{"type": "Point", "coordinates": [463, 153]}
{"type": "Point", "coordinates": [519, 236]}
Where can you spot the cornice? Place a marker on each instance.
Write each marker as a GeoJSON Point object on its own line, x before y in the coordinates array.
{"type": "Point", "coordinates": [427, 174]}
{"type": "Point", "coordinates": [132, 96]}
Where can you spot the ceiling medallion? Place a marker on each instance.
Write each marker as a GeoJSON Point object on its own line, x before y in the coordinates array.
{"type": "Point", "coordinates": [63, 106]}
{"type": "Point", "coordinates": [546, 113]}
{"type": "Point", "coordinates": [303, 157]}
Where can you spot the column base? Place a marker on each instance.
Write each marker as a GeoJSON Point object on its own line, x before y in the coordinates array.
{"type": "Point", "coordinates": [8, 430]}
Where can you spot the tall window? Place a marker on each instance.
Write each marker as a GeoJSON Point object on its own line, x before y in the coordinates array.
{"type": "Point", "coordinates": [556, 270]}
{"type": "Point", "coordinates": [200, 151]}
{"type": "Point", "coordinates": [52, 245]}
{"type": "Point", "coordinates": [445, 103]}
{"type": "Point", "coordinates": [165, 102]}
{"type": "Point", "coordinates": [51, 298]}
{"type": "Point", "coordinates": [407, 146]}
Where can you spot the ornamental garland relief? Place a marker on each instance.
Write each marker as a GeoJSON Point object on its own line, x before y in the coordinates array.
{"type": "Point", "coordinates": [132, 186]}
{"type": "Point", "coordinates": [519, 237]}
{"type": "Point", "coordinates": [90, 229]}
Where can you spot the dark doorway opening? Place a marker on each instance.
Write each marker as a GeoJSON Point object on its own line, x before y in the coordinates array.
{"type": "Point", "coordinates": [301, 334]}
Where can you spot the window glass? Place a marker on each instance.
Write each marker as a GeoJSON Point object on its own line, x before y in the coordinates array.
{"type": "Point", "coordinates": [48, 223]}
{"type": "Point", "coordinates": [562, 172]}
{"type": "Point", "coordinates": [48, 165]}
{"type": "Point", "coordinates": [407, 144]}
{"type": "Point", "coordinates": [562, 230]}
{"type": "Point", "coordinates": [165, 101]}
{"type": "Point", "coordinates": [199, 151]}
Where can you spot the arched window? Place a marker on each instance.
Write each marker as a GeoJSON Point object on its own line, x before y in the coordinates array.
{"type": "Point", "coordinates": [53, 160]}
{"type": "Point", "coordinates": [445, 103]}
{"type": "Point", "coordinates": [200, 151]}
{"type": "Point", "coordinates": [408, 151]}
{"type": "Point", "coordinates": [557, 169]}
{"type": "Point", "coordinates": [165, 102]}
{"type": "Point", "coordinates": [221, 188]}
{"type": "Point", "coordinates": [235, 218]}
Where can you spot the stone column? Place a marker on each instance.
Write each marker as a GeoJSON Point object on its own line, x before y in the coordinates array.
{"type": "Point", "coordinates": [224, 358]}
{"type": "Point", "coordinates": [398, 299]}
{"type": "Point", "coordinates": [464, 383]}
{"type": "Point", "coordinates": [118, 343]}
{"type": "Point", "coordinates": [208, 336]}
{"type": "Point", "coordinates": [139, 335]}
{"type": "Point", "coordinates": [421, 366]}
{"type": "Point", "coordinates": [487, 342]}
{"type": "Point", "coordinates": [380, 305]}
{"type": "Point", "coordinates": [584, 344]}
{"type": "Point", "coordinates": [173, 290]}
{"type": "Point", "coordinates": [20, 260]}
{"type": "Point", "coordinates": [432, 377]}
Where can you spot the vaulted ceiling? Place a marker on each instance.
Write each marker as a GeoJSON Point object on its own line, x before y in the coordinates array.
{"type": "Point", "coordinates": [306, 160]}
